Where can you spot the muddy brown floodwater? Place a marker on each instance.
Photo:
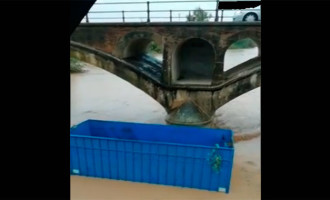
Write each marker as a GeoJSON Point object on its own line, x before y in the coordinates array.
{"type": "Point", "coordinates": [97, 94]}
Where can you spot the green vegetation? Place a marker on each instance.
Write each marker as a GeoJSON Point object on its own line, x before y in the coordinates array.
{"type": "Point", "coordinates": [243, 44]}
{"type": "Point", "coordinates": [153, 48]}
{"type": "Point", "coordinates": [199, 15]}
{"type": "Point", "coordinates": [215, 159]}
{"type": "Point", "coordinates": [75, 65]}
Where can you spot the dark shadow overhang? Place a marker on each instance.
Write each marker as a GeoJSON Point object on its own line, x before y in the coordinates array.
{"type": "Point", "coordinates": [78, 10]}
{"type": "Point", "coordinates": [238, 4]}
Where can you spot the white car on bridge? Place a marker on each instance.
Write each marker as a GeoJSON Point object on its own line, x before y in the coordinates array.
{"type": "Point", "coordinates": [249, 15]}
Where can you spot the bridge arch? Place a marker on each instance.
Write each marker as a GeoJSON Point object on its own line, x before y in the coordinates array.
{"type": "Point", "coordinates": [136, 47]}
{"type": "Point", "coordinates": [239, 52]}
{"type": "Point", "coordinates": [136, 43]}
{"type": "Point", "coordinates": [193, 62]}
{"type": "Point", "coordinates": [122, 69]}
{"type": "Point", "coordinates": [253, 35]}
{"type": "Point", "coordinates": [241, 114]}
{"type": "Point", "coordinates": [242, 79]}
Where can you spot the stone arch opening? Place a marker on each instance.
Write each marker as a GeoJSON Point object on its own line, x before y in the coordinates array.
{"type": "Point", "coordinates": [239, 52]}
{"type": "Point", "coordinates": [193, 62]}
{"type": "Point", "coordinates": [136, 48]}
{"type": "Point", "coordinates": [146, 55]}
{"type": "Point", "coordinates": [143, 47]}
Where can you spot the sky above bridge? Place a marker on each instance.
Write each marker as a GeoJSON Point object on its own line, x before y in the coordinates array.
{"type": "Point", "coordinates": [154, 5]}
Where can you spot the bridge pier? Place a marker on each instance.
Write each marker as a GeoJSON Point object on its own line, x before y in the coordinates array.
{"type": "Point", "coordinates": [211, 124]}
{"type": "Point", "coordinates": [189, 113]}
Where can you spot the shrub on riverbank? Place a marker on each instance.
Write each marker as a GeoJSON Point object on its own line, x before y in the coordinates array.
{"type": "Point", "coordinates": [76, 66]}
{"type": "Point", "coordinates": [153, 48]}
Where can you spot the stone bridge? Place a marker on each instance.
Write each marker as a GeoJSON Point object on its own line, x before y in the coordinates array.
{"type": "Point", "coordinates": [190, 82]}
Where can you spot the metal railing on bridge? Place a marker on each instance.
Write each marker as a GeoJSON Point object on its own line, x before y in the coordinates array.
{"type": "Point", "coordinates": [122, 15]}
